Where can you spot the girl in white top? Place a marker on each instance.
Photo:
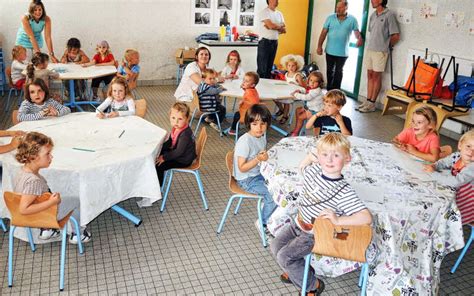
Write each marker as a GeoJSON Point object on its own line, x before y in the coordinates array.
{"type": "Point", "coordinates": [293, 65]}
{"type": "Point", "coordinates": [119, 98]}
{"type": "Point", "coordinates": [232, 69]}
{"type": "Point", "coordinates": [18, 66]}
{"type": "Point", "coordinates": [192, 75]}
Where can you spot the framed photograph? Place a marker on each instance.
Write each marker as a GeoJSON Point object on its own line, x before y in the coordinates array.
{"type": "Point", "coordinates": [202, 18]}
{"type": "Point", "coordinates": [202, 13]}
{"type": "Point", "coordinates": [224, 4]}
{"type": "Point", "coordinates": [246, 20]}
{"type": "Point", "coordinates": [202, 4]}
{"type": "Point", "coordinates": [247, 6]}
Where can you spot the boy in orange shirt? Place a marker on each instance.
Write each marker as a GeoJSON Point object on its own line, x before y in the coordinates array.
{"type": "Point", "coordinates": [249, 99]}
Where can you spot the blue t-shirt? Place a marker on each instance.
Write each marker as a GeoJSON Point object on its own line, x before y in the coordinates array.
{"type": "Point", "coordinates": [24, 40]}
{"type": "Point", "coordinates": [134, 69]}
{"type": "Point", "coordinates": [339, 32]}
{"type": "Point", "coordinates": [327, 124]}
{"type": "Point", "coordinates": [248, 147]}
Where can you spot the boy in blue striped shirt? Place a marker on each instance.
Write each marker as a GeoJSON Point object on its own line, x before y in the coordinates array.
{"type": "Point", "coordinates": [208, 92]}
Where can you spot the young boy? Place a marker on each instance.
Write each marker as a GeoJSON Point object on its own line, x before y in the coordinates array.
{"type": "Point", "coordinates": [330, 119]}
{"type": "Point", "coordinates": [249, 152]}
{"type": "Point", "coordinates": [208, 92]}
{"type": "Point", "coordinates": [130, 68]}
{"type": "Point", "coordinates": [249, 98]}
{"type": "Point", "coordinates": [327, 196]}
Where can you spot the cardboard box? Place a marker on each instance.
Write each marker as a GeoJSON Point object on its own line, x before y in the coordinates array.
{"type": "Point", "coordinates": [185, 56]}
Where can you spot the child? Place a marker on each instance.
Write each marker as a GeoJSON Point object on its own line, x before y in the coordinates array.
{"type": "Point", "coordinates": [249, 152]}
{"type": "Point", "coordinates": [313, 99]}
{"type": "Point", "coordinates": [328, 196]}
{"type": "Point", "coordinates": [119, 99]}
{"type": "Point", "coordinates": [232, 69]}
{"type": "Point", "coordinates": [330, 119]}
{"type": "Point", "coordinates": [37, 104]}
{"type": "Point", "coordinates": [129, 68]}
{"type": "Point", "coordinates": [38, 68]}
{"type": "Point", "coordinates": [421, 138]}
{"type": "Point", "coordinates": [18, 66]}
{"type": "Point", "coordinates": [179, 151]}
{"type": "Point", "coordinates": [16, 137]}
{"type": "Point", "coordinates": [34, 152]}
{"type": "Point", "coordinates": [461, 165]}
{"type": "Point", "coordinates": [292, 64]}
{"type": "Point", "coordinates": [249, 98]}
{"type": "Point", "coordinates": [208, 92]}
{"type": "Point", "coordinates": [74, 54]}
{"type": "Point", "coordinates": [103, 57]}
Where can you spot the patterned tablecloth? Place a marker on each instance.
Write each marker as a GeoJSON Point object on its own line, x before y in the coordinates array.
{"type": "Point", "coordinates": [416, 221]}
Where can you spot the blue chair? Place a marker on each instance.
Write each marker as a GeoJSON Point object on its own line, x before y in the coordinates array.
{"type": "Point", "coordinates": [44, 219]}
{"type": "Point", "coordinates": [192, 169]}
{"type": "Point", "coordinates": [2, 225]}
{"type": "Point", "coordinates": [196, 108]}
{"type": "Point", "coordinates": [464, 250]}
{"type": "Point", "coordinates": [13, 89]}
{"type": "Point", "coordinates": [240, 194]}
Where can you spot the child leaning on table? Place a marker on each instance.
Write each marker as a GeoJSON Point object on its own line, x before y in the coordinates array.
{"type": "Point", "coordinates": [460, 166]}
{"type": "Point", "coordinates": [34, 152]}
{"type": "Point", "coordinates": [248, 153]}
{"type": "Point", "coordinates": [327, 195]}
{"type": "Point", "coordinates": [119, 100]}
{"type": "Point", "coordinates": [129, 68]}
{"type": "Point", "coordinates": [74, 54]}
{"type": "Point", "coordinates": [37, 104]}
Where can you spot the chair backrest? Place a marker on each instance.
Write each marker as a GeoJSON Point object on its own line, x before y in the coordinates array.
{"type": "Point", "coordinates": [43, 219]}
{"type": "Point", "coordinates": [200, 143]}
{"type": "Point", "coordinates": [140, 108]}
{"type": "Point", "coordinates": [441, 114]}
{"type": "Point", "coordinates": [8, 73]}
{"type": "Point", "coordinates": [229, 162]}
{"type": "Point", "coordinates": [195, 102]}
{"type": "Point", "coordinates": [15, 120]}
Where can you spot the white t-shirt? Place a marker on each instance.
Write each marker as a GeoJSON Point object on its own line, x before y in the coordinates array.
{"type": "Point", "coordinates": [227, 70]}
{"type": "Point", "coordinates": [184, 92]}
{"type": "Point", "coordinates": [248, 147]}
{"type": "Point", "coordinates": [17, 69]}
{"type": "Point", "coordinates": [275, 17]}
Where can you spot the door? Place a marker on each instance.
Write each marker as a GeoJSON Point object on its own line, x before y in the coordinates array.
{"type": "Point", "coordinates": [353, 67]}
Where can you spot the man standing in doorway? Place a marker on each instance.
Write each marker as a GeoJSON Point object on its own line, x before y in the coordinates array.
{"type": "Point", "coordinates": [384, 34]}
{"type": "Point", "coordinates": [271, 24]}
{"type": "Point", "coordinates": [338, 27]}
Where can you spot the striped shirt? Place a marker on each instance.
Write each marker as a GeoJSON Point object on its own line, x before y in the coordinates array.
{"type": "Point", "coordinates": [30, 111]}
{"type": "Point", "coordinates": [30, 184]}
{"type": "Point", "coordinates": [208, 95]}
{"type": "Point", "coordinates": [322, 192]}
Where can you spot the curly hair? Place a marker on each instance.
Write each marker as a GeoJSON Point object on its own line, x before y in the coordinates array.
{"type": "Point", "coordinates": [30, 146]}
{"type": "Point", "coordinates": [121, 81]}
{"type": "Point", "coordinates": [16, 51]}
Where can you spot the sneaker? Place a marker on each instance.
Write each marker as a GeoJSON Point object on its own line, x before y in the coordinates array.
{"type": "Point", "coordinates": [361, 105]}
{"type": "Point", "coordinates": [231, 132]}
{"type": "Point", "coordinates": [319, 290]}
{"type": "Point", "coordinates": [47, 234]}
{"type": "Point", "coordinates": [85, 237]}
{"type": "Point", "coordinates": [370, 107]}
{"type": "Point", "coordinates": [215, 126]}
{"type": "Point", "coordinates": [285, 279]}
{"type": "Point", "coordinates": [268, 234]}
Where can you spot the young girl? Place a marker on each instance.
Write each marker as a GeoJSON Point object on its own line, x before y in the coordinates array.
{"type": "Point", "coordinates": [34, 152]}
{"type": "Point", "coordinates": [461, 167]}
{"type": "Point", "coordinates": [119, 99]}
{"type": "Point", "coordinates": [420, 139]}
{"type": "Point", "coordinates": [18, 65]}
{"type": "Point", "coordinates": [292, 64]}
{"type": "Point", "coordinates": [103, 57]}
{"type": "Point", "coordinates": [179, 151]}
{"type": "Point", "coordinates": [129, 68]}
{"type": "Point", "coordinates": [37, 104]}
{"type": "Point", "coordinates": [232, 69]}
{"type": "Point", "coordinates": [74, 54]}
{"type": "Point", "coordinates": [249, 152]}
{"type": "Point", "coordinates": [38, 68]}
{"type": "Point", "coordinates": [313, 99]}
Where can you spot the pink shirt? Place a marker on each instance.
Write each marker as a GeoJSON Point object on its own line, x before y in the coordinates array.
{"type": "Point", "coordinates": [175, 134]}
{"type": "Point", "coordinates": [425, 145]}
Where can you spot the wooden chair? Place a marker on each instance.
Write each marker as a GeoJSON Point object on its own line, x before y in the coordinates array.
{"type": "Point", "coordinates": [8, 73]}
{"type": "Point", "coordinates": [195, 104]}
{"type": "Point", "coordinates": [396, 102]}
{"type": "Point", "coordinates": [44, 219]}
{"type": "Point", "coordinates": [241, 195]}
{"type": "Point", "coordinates": [15, 120]}
{"type": "Point", "coordinates": [192, 169]}
{"type": "Point", "coordinates": [140, 108]}
{"type": "Point", "coordinates": [441, 114]}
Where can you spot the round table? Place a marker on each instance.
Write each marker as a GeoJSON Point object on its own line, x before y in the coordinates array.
{"type": "Point", "coordinates": [416, 221]}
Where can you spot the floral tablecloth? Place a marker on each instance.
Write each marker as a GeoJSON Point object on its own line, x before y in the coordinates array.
{"type": "Point", "coordinates": [416, 221]}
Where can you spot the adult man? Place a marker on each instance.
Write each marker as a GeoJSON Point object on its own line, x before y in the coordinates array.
{"type": "Point", "coordinates": [338, 27]}
{"type": "Point", "coordinates": [384, 34]}
{"type": "Point", "coordinates": [271, 24]}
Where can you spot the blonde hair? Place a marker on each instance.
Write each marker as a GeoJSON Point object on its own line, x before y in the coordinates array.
{"type": "Point", "coordinates": [467, 136]}
{"type": "Point", "coordinates": [121, 81]}
{"type": "Point", "coordinates": [130, 52]}
{"type": "Point", "coordinates": [16, 51]}
{"type": "Point", "coordinates": [30, 146]}
{"type": "Point", "coordinates": [297, 59]}
{"type": "Point", "coordinates": [183, 108]}
{"type": "Point", "coordinates": [335, 96]}
{"type": "Point", "coordinates": [428, 113]}
{"type": "Point", "coordinates": [208, 72]}
{"type": "Point", "coordinates": [334, 141]}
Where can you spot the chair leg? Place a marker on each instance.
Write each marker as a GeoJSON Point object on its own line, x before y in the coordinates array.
{"type": "Point", "coordinates": [237, 132]}
{"type": "Point", "coordinates": [63, 256]}
{"type": "Point", "coordinates": [165, 178]}
{"type": "Point", "coordinates": [198, 124]}
{"type": "Point", "coordinates": [292, 113]}
{"type": "Point", "coordinates": [170, 173]}
{"type": "Point", "coordinates": [464, 250]}
{"type": "Point", "coordinates": [2, 225]}
{"type": "Point", "coordinates": [361, 276]}
{"type": "Point", "coordinates": [224, 216]}
{"type": "Point", "coordinates": [260, 221]}
{"type": "Point", "coordinates": [237, 208]}
{"type": "Point", "coordinates": [77, 229]}
{"type": "Point", "coordinates": [365, 270]}
{"type": "Point", "coordinates": [7, 107]}
{"type": "Point", "coordinates": [201, 189]}
{"type": "Point", "coordinates": [233, 106]}
{"type": "Point", "coordinates": [219, 124]}
{"type": "Point", "coordinates": [30, 239]}
{"type": "Point", "coordinates": [307, 261]}
{"type": "Point", "coordinates": [192, 117]}
{"type": "Point", "coordinates": [10, 256]}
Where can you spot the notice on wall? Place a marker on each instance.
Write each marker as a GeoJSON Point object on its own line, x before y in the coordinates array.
{"type": "Point", "coordinates": [454, 19]}
{"type": "Point", "coordinates": [201, 13]}
{"type": "Point", "coordinates": [428, 9]}
{"type": "Point", "coordinates": [404, 15]}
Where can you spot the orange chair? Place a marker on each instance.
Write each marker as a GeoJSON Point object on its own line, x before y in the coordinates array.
{"type": "Point", "coordinates": [44, 219]}
{"type": "Point", "coordinates": [140, 108]}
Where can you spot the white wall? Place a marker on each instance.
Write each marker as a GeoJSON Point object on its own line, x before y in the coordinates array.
{"type": "Point", "coordinates": [155, 27]}
{"type": "Point", "coordinates": [421, 33]}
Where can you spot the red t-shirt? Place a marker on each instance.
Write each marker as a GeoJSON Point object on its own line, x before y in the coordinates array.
{"type": "Point", "coordinates": [425, 145]}
{"type": "Point", "coordinates": [98, 58]}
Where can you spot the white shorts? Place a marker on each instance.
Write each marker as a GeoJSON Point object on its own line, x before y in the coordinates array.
{"type": "Point", "coordinates": [376, 60]}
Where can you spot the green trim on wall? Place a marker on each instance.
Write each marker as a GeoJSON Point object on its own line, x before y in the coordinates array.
{"type": "Point", "coordinates": [307, 47]}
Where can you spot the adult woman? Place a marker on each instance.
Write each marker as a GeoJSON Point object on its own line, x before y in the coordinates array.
{"type": "Point", "coordinates": [33, 24]}
{"type": "Point", "coordinates": [192, 75]}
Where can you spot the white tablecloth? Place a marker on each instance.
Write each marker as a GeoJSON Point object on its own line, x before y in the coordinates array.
{"type": "Point", "coordinates": [416, 221]}
{"type": "Point", "coordinates": [117, 169]}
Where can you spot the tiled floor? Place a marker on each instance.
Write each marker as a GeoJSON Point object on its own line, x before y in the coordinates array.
{"type": "Point", "coordinates": [178, 252]}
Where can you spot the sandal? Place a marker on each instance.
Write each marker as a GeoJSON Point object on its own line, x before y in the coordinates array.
{"type": "Point", "coordinates": [283, 119]}
{"type": "Point", "coordinates": [319, 290]}
{"type": "Point", "coordinates": [285, 279]}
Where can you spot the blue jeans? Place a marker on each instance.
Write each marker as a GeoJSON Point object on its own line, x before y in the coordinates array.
{"type": "Point", "coordinates": [256, 185]}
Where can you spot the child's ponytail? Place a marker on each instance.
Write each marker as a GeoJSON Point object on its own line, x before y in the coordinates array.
{"type": "Point", "coordinates": [30, 72]}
